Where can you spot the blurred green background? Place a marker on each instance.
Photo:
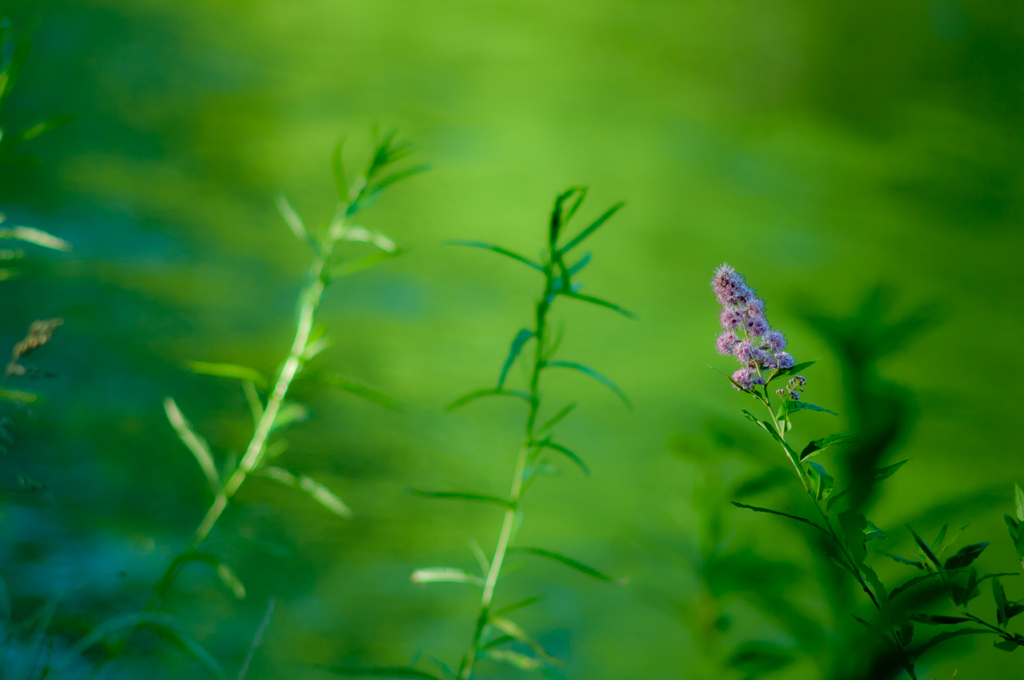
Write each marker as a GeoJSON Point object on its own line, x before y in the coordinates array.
{"type": "Point", "coordinates": [822, 148]}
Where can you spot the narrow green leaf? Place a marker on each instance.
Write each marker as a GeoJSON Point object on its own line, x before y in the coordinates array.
{"type": "Point", "coordinates": [294, 223]}
{"type": "Point", "coordinates": [999, 594]}
{"type": "Point", "coordinates": [594, 226]}
{"type": "Point", "coordinates": [567, 453]}
{"type": "Point", "coordinates": [350, 267]}
{"type": "Point", "coordinates": [163, 624]}
{"type": "Point", "coordinates": [1018, 496]}
{"type": "Point", "coordinates": [903, 560]}
{"type": "Point", "coordinates": [35, 236]}
{"type": "Point", "coordinates": [567, 561]}
{"type": "Point", "coordinates": [939, 538]}
{"type": "Point", "coordinates": [498, 249]}
{"type": "Point", "coordinates": [1009, 645]}
{"type": "Point", "coordinates": [572, 365]}
{"type": "Point", "coordinates": [927, 551]}
{"type": "Point", "coordinates": [462, 496]}
{"type": "Point", "coordinates": [557, 418]}
{"type": "Point", "coordinates": [599, 302]}
{"type": "Point", "coordinates": [781, 514]}
{"type": "Point", "coordinates": [910, 584]}
{"type": "Point", "coordinates": [196, 444]}
{"type": "Point", "coordinates": [942, 637]}
{"type": "Point", "coordinates": [819, 445]}
{"type": "Point", "coordinates": [364, 235]}
{"type": "Point", "coordinates": [320, 493]}
{"type": "Point", "coordinates": [398, 176]}
{"type": "Point", "coordinates": [522, 337]}
{"type": "Point", "coordinates": [580, 264]}
{"type": "Point", "coordinates": [786, 372]}
{"type": "Point", "coordinates": [794, 406]}
{"type": "Point", "coordinates": [489, 392]}
{"type": "Point", "coordinates": [288, 414]}
{"type": "Point", "coordinates": [515, 659]}
{"type": "Point", "coordinates": [885, 473]}
{"type": "Point", "coordinates": [352, 387]}
{"type": "Point", "coordinates": [965, 556]}
{"type": "Point", "coordinates": [445, 575]}
{"type": "Point", "coordinates": [512, 629]}
{"type": "Point", "coordinates": [936, 620]}
{"type": "Point", "coordinates": [229, 371]}
{"type": "Point", "coordinates": [17, 395]}
{"type": "Point", "coordinates": [1017, 535]}
{"type": "Point", "coordinates": [253, 399]}
{"type": "Point", "coordinates": [40, 128]}
{"type": "Point", "coordinates": [515, 606]}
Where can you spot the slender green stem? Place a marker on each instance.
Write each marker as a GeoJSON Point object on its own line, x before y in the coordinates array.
{"type": "Point", "coordinates": [529, 445]}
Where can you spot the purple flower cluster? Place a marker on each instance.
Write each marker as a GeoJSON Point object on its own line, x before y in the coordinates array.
{"type": "Point", "coordinates": [746, 334]}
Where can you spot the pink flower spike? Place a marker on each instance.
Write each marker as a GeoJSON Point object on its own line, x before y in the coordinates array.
{"type": "Point", "coordinates": [742, 378]}
{"type": "Point", "coordinates": [785, 360]}
{"type": "Point", "coordinates": [730, 318]}
{"type": "Point", "coordinates": [729, 286]}
{"type": "Point", "coordinates": [755, 309]}
{"type": "Point", "coordinates": [775, 341]}
{"type": "Point", "coordinates": [756, 327]}
{"type": "Point", "coordinates": [726, 343]}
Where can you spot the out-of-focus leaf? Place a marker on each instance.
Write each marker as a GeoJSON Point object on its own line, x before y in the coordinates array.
{"type": "Point", "coordinates": [350, 267]}
{"type": "Point", "coordinates": [1018, 496]}
{"type": "Point", "coordinates": [252, 397]}
{"type": "Point", "coordinates": [902, 560]}
{"type": "Point", "coordinates": [15, 64]}
{"type": "Point", "coordinates": [1009, 645]}
{"type": "Point", "coordinates": [965, 556]}
{"type": "Point", "coordinates": [489, 392]}
{"type": "Point", "coordinates": [5, 601]}
{"type": "Point", "coordinates": [567, 561]}
{"type": "Point", "coordinates": [522, 337]}
{"type": "Point", "coordinates": [352, 387]}
{"type": "Point", "coordinates": [819, 445]}
{"type": "Point", "coordinates": [40, 128]}
{"type": "Point", "coordinates": [586, 370]}
{"type": "Point", "coordinates": [35, 236]}
{"type": "Point", "coordinates": [599, 302]}
{"type": "Point", "coordinates": [580, 264]}
{"type": "Point", "coordinates": [942, 637]}
{"type": "Point", "coordinates": [294, 223]}
{"type": "Point", "coordinates": [229, 371]}
{"type": "Point", "coordinates": [515, 659]}
{"type": "Point", "coordinates": [288, 414]}
{"type": "Point", "coordinates": [163, 624]}
{"type": "Point", "coordinates": [445, 575]}
{"type": "Point", "coordinates": [764, 482]}
{"type": "Point", "coordinates": [1002, 606]}
{"type": "Point", "coordinates": [594, 226]}
{"type": "Point", "coordinates": [364, 235]}
{"type": "Point", "coordinates": [196, 444]}
{"type": "Point", "coordinates": [557, 418]}
{"type": "Point", "coordinates": [338, 170]}
{"type": "Point", "coordinates": [756, 658]}
{"type": "Point", "coordinates": [936, 620]}
{"type": "Point", "coordinates": [378, 672]}
{"type": "Point", "coordinates": [17, 395]}
{"type": "Point", "coordinates": [1017, 534]}
{"type": "Point", "coordinates": [822, 480]}
{"type": "Point", "coordinates": [515, 606]}
{"type": "Point", "coordinates": [513, 630]}
{"type": "Point", "coordinates": [498, 249]}
{"type": "Point", "coordinates": [320, 493]}
{"type": "Point", "coordinates": [462, 496]}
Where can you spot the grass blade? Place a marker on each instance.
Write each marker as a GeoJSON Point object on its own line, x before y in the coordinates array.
{"type": "Point", "coordinates": [781, 514]}
{"type": "Point", "coordinates": [498, 249]}
{"type": "Point", "coordinates": [294, 223]}
{"type": "Point", "coordinates": [586, 370]}
{"type": "Point", "coordinates": [320, 493]}
{"type": "Point", "coordinates": [926, 550]}
{"type": "Point", "coordinates": [338, 170]}
{"type": "Point", "coordinates": [461, 496]}
{"type": "Point", "coordinates": [594, 226]}
{"type": "Point", "coordinates": [489, 392]}
{"type": "Point", "coordinates": [229, 371]}
{"type": "Point", "coordinates": [522, 337]}
{"type": "Point", "coordinates": [196, 444]}
{"type": "Point", "coordinates": [599, 302]}
{"type": "Point", "coordinates": [567, 561]}
{"type": "Point", "coordinates": [35, 236]}
{"type": "Point", "coordinates": [445, 575]}
{"type": "Point", "coordinates": [355, 266]}
{"type": "Point", "coordinates": [557, 418]}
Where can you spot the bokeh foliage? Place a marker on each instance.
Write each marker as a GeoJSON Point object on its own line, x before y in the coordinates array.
{"type": "Point", "coordinates": [821, 147]}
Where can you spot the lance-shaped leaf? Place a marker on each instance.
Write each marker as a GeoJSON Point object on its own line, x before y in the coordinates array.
{"type": "Point", "coordinates": [594, 226]}
{"type": "Point", "coordinates": [1017, 535]}
{"type": "Point", "coordinates": [903, 560]}
{"type": "Point", "coordinates": [557, 418]}
{"type": "Point", "coordinates": [352, 387]}
{"type": "Point", "coordinates": [445, 575]}
{"type": "Point", "coordinates": [229, 371]}
{"type": "Point", "coordinates": [338, 170]}
{"type": "Point", "coordinates": [567, 561]}
{"type": "Point", "coordinates": [498, 249]}
{"type": "Point", "coordinates": [819, 445]}
{"type": "Point", "coordinates": [586, 370]}
{"type": "Point", "coordinates": [351, 267]}
{"type": "Point", "coordinates": [320, 493]}
{"type": "Point", "coordinates": [780, 514]}
{"type": "Point", "coordinates": [822, 480]}
{"type": "Point", "coordinates": [15, 64]}
{"type": "Point", "coordinates": [14, 139]}
{"type": "Point", "coordinates": [462, 496]}
{"type": "Point", "coordinates": [1018, 496]}
{"type": "Point", "coordinates": [937, 620]}
{"type": "Point", "coordinates": [294, 223]}
{"type": "Point", "coordinates": [196, 444]}
{"type": "Point", "coordinates": [794, 406]}
{"type": "Point", "coordinates": [580, 264]}
{"type": "Point", "coordinates": [163, 624]}
{"type": "Point", "coordinates": [942, 637]}
{"type": "Point", "coordinates": [489, 392]}
{"type": "Point", "coordinates": [520, 661]}
{"type": "Point", "coordinates": [926, 550]}
{"type": "Point", "coordinates": [599, 302]}
{"type": "Point", "coordinates": [521, 604]}
{"type": "Point", "coordinates": [513, 630]}
{"type": "Point", "coordinates": [786, 372]}
{"type": "Point", "coordinates": [547, 444]}
{"type": "Point", "coordinates": [289, 413]}
{"type": "Point", "coordinates": [364, 235]}
{"type": "Point", "coordinates": [522, 337]}
{"type": "Point", "coordinates": [965, 556]}
{"type": "Point", "coordinates": [35, 236]}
